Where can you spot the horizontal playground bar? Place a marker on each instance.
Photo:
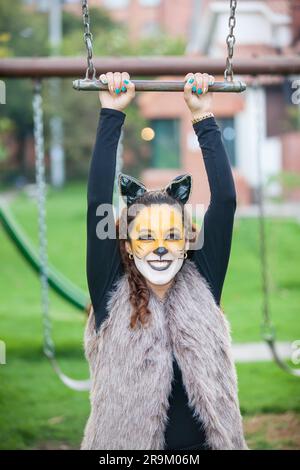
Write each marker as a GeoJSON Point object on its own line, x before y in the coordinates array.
{"type": "Point", "coordinates": [156, 85]}
{"type": "Point", "coordinates": [42, 67]}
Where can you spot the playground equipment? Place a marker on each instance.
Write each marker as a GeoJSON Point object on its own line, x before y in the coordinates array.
{"type": "Point", "coordinates": [39, 68]}
{"type": "Point", "coordinates": [56, 280]}
{"type": "Point", "coordinates": [90, 82]}
{"type": "Point", "coordinates": [267, 328]}
{"type": "Point", "coordinates": [49, 348]}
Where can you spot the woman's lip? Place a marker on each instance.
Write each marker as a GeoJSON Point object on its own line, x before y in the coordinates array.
{"type": "Point", "coordinates": [165, 264]}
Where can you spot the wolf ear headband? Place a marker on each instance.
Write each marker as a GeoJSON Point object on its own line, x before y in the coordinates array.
{"type": "Point", "coordinates": [179, 188]}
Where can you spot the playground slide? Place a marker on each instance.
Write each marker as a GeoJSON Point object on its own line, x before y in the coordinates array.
{"type": "Point", "coordinates": [59, 283]}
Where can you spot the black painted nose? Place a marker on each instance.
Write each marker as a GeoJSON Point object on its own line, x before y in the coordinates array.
{"type": "Point", "coordinates": [160, 251]}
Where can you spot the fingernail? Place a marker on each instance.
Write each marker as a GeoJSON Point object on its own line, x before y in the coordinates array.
{"type": "Point", "coordinates": [126, 81]}
{"type": "Point", "coordinates": [199, 91]}
{"type": "Point", "coordinates": [123, 88]}
{"type": "Point", "coordinates": [194, 88]}
{"type": "Point", "coordinates": [191, 80]}
{"type": "Point", "coordinates": [117, 91]}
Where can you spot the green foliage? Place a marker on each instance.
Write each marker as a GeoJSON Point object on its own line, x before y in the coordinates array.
{"type": "Point", "coordinates": [22, 33]}
{"type": "Point", "coordinates": [25, 33]}
{"type": "Point", "coordinates": [6, 126]}
{"type": "Point", "coordinates": [292, 122]}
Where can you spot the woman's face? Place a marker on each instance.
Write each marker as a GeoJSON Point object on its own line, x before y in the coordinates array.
{"type": "Point", "coordinates": [157, 242]}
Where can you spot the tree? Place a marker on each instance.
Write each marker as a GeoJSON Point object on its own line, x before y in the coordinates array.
{"type": "Point", "coordinates": [25, 33]}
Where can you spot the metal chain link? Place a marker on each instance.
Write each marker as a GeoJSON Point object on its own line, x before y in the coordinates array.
{"type": "Point", "coordinates": [49, 348]}
{"type": "Point", "coordinates": [268, 330]}
{"type": "Point", "coordinates": [267, 327]}
{"type": "Point", "coordinates": [88, 39]}
{"type": "Point", "coordinates": [230, 41]}
{"type": "Point", "coordinates": [37, 105]}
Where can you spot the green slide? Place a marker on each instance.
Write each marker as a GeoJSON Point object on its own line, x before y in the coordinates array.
{"type": "Point", "coordinates": [59, 283]}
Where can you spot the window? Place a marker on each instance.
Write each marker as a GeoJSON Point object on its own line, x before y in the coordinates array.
{"type": "Point", "coordinates": [228, 134]}
{"type": "Point", "coordinates": [166, 143]}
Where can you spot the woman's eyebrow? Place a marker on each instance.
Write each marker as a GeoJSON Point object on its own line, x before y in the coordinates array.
{"type": "Point", "coordinates": [173, 229]}
{"type": "Point", "coordinates": [144, 230]}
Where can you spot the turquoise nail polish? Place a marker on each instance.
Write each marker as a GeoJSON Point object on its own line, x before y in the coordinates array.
{"type": "Point", "coordinates": [117, 91]}
{"type": "Point", "coordinates": [123, 88]}
{"type": "Point", "coordinates": [194, 88]}
{"type": "Point", "coordinates": [191, 80]}
{"type": "Point", "coordinates": [199, 91]}
{"type": "Point", "coordinates": [126, 81]}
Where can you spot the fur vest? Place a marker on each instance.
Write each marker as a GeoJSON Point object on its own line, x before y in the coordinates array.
{"type": "Point", "coordinates": [132, 370]}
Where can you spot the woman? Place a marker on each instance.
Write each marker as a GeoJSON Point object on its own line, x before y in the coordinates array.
{"type": "Point", "coordinates": [157, 342]}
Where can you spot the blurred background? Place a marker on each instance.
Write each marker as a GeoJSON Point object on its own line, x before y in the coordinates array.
{"type": "Point", "coordinates": [261, 132]}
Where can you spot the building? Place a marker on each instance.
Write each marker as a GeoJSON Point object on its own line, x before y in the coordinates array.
{"type": "Point", "coordinates": [252, 120]}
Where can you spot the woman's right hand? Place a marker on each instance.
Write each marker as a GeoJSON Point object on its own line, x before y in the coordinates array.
{"type": "Point", "coordinates": [120, 93]}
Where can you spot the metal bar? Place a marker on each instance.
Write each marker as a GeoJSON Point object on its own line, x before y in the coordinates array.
{"type": "Point", "coordinates": [156, 85]}
{"type": "Point", "coordinates": [75, 67]}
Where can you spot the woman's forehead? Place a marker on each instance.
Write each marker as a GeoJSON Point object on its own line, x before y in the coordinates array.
{"type": "Point", "coordinates": [158, 216]}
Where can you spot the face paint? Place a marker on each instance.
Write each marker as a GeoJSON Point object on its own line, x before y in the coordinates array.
{"type": "Point", "coordinates": [157, 242]}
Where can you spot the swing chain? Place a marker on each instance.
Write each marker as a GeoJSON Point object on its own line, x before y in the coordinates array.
{"type": "Point", "coordinates": [88, 39]}
{"type": "Point", "coordinates": [230, 41]}
{"type": "Point", "coordinates": [39, 146]}
{"type": "Point", "coordinates": [37, 105]}
{"type": "Point", "coordinates": [267, 328]}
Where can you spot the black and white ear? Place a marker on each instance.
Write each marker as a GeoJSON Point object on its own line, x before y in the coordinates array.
{"type": "Point", "coordinates": [130, 188]}
{"type": "Point", "coordinates": [180, 188]}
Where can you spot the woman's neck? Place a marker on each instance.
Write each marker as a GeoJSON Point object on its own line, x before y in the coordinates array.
{"type": "Point", "coordinates": [160, 290]}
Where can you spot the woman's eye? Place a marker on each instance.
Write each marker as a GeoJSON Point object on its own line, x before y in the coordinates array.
{"type": "Point", "coordinates": [146, 237]}
{"type": "Point", "coordinates": [173, 236]}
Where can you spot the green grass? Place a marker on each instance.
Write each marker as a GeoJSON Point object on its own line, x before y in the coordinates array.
{"type": "Point", "coordinates": [35, 408]}
{"type": "Point", "coordinates": [242, 295]}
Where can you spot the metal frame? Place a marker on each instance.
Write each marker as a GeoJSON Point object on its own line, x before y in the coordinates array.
{"type": "Point", "coordinates": [46, 67]}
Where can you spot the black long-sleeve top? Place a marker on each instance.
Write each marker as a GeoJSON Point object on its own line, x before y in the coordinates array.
{"type": "Point", "coordinates": [103, 256]}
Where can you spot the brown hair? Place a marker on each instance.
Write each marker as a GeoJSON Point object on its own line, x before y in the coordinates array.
{"type": "Point", "coordinates": [139, 292]}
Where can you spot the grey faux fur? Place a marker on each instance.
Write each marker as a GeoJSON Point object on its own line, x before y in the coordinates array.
{"type": "Point", "coordinates": [132, 371]}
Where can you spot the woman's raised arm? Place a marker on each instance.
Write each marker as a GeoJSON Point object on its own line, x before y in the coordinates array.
{"type": "Point", "coordinates": [216, 232]}
{"type": "Point", "coordinates": [103, 259]}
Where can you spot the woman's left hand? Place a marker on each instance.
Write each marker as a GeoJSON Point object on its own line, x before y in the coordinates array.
{"type": "Point", "coordinates": [196, 94]}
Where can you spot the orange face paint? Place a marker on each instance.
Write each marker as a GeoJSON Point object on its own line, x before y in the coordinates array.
{"type": "Point", "coordinates": [158, 225]}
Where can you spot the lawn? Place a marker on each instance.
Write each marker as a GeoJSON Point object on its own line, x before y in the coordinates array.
{"type": "Point", "coordinates": [36, 411]}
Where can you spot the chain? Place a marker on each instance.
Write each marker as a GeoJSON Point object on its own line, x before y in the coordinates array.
{"type": "Point", "coordinates": [230, 41]}
{"type": "Point", "coordinates": [88, 39]}
{"type": "Point", "coordinates": [268, 330]}
{"type": "Point", "coordinates": [49, 348]}
{"type": "Point", "coordinates": [37, 105]}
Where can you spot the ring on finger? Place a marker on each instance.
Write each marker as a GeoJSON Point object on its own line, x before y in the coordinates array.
{"type": "Point", "coordinates": [103, 79]}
